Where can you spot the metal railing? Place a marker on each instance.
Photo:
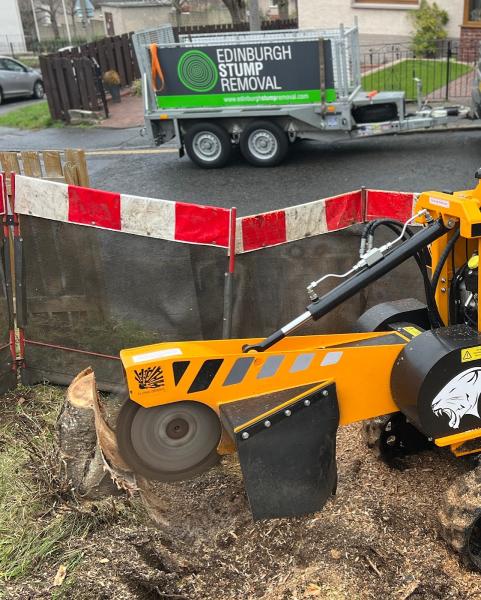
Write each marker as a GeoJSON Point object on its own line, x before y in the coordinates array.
{"type": "Point", "coordinates": [446, 73]}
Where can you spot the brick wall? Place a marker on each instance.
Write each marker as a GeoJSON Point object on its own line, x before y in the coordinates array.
{"type": "Point", "coordinates": [470, 43]}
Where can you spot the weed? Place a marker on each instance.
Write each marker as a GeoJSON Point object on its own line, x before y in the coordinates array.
{"type": "Point", "coordinates": [41, 525]}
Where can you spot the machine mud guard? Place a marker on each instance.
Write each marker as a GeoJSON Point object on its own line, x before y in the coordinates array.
{"type": "Point", "coordinates": [286, 443]}
{"type": "Point", "coordinates": [407, 310]}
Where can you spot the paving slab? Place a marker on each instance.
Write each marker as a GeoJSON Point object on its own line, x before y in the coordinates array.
{"type": "Point", "coordinates": [129, 112]}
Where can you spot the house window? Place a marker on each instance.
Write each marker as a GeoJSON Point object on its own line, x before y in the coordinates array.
{"type": "Point", "coordinates": [472, 12]}
{"type": "Point", "coordinates": [396, 3]}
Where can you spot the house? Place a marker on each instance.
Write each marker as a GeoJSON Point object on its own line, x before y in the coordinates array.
{"type": "Point", "coordinates": [471, 25]}
{"type": "Point", "coordinates": [123, 16]}
{"type": "Point", "coordinates": [388, 20]}
{"type": "Point", "coordinates": [12, 38]}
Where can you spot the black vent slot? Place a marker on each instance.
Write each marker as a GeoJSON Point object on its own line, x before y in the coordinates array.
{"type": "Point", "coordinates": [206, 374]}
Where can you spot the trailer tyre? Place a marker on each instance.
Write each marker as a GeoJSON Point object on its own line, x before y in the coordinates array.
{"type": "Point", "coordinates": [264, 144]}
{"type": "Point", "coordinates": [208, 145]}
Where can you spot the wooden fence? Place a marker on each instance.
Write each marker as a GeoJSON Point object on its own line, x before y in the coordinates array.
{"type": "Point", "coordinates": [71, 84]}
{"type": "Point", "coordinates": [69, 166]}
{"type": "Point", "coordinates": [116, 52]}
{"type": "Point", "coordinates": [230, 27]}
{"type": "Point", "coordinates": [73, 78]}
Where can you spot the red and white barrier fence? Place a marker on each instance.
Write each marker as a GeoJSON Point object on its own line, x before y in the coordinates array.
{"type": "Point", "coordinates": [162, 219]}
{"type": "Point", "coordinates": [197, 224]}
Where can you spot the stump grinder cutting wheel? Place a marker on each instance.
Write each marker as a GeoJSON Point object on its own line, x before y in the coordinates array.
{"type": "Point", "coordinates": [170, 442]}
{"type": "Point", "coordinates": [414, 367]}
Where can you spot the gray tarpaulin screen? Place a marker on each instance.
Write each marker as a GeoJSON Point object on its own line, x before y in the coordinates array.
{"type": "Point", "coordinates": [97, 291]}
{"type": "Point", "coordinates": [271, 284]}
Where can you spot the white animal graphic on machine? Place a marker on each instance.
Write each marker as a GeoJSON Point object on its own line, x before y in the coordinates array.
{"type": "Point", "coordinates": [459, 397]}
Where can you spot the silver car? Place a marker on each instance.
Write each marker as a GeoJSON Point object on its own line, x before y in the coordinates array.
{"type": "Point", "coordinates": [16, 79]}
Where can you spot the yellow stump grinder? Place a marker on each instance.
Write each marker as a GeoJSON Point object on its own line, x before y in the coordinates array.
{"type": "Point", "coordinates": [279, 401]}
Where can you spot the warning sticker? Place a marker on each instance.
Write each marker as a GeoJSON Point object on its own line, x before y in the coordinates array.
{"type": "Point", "coordinates": [439, 202]}
{"type": "Point", "coordinates": [468, 354]}
{"type": "Point", "coordinates": [412, 331]}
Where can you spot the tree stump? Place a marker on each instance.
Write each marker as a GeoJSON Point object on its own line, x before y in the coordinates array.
{"type": "Point", "coordinates": [92, 466]}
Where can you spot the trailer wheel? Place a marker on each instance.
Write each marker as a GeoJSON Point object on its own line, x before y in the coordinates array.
{"type": "Point", "coordinates": [264, 144]}
{"type": "Point", "coordinates": [460, 517]}
{"type": "Point", "coordinates": [208, 145]}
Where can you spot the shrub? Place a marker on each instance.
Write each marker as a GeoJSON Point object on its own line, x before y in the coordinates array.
{"type": "Point", "coordinates": [136, 87]}
{"type": "Point", "coordinates": [111, 78]}
{"type": "Point", "coordinates": [429, 27]}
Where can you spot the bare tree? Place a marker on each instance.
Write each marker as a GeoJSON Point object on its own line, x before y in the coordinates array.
{"type": "Point", "coordinates": [28, 21]}
{"type": "Point", "coordinates": [71, 6]}
{"type": "Point", "coordinates": [237, 9]}
{"type": "Point", "coordinates": [50, 9]}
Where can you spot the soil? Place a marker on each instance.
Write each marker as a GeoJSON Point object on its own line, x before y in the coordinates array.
{"type": "Point", "coordinates": [377, 538]}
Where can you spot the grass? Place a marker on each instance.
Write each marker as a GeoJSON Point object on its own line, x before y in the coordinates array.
{"type": "Point", "coordinates": [400, 76]}
{"type": "Point", "coordinates": [36, 116]}
{"type": "Point", "coordinates": [30, 60]}
{"type": "Point", "coordinates": [40, 525]}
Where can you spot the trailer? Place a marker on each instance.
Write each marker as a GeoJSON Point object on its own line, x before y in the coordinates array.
{"type": "Point", "coordinates": [262, 91]}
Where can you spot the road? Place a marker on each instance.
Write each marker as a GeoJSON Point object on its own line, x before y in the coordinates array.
{"type": "Point", "coordinates": [445, 161]}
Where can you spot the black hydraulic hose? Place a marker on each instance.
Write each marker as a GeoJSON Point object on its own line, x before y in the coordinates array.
{"type": "Point", "coordinates": [442, 259]}
{"type": "Point", "coordinates": [358, 281]}
{"type": "Point", "coordinates": [433, 311]}
{"type": "Point", "coordinates": [376, 224]}
{"type": "Point", "coordinates": [371, 226]}
{"type": "Point", "coordinates": [395, 227]}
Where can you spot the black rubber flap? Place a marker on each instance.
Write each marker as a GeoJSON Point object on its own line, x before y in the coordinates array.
{"type": "Point", "coordinates": [289, 459]}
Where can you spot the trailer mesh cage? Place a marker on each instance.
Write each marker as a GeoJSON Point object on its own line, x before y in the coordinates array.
{"type": "Point", "coordinates": [344, 44]}
{"type": "Point", "coordinates": [343, 54]}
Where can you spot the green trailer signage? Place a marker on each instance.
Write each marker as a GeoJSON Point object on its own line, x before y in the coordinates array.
{"type": "Point", "coordinates": [242, 75]}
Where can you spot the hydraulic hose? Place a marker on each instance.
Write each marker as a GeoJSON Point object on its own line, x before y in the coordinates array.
{"type": "Point", "coordinates": [442, 259]}
{"type": "Point", "coordinates": [433, 311]}
{"type": "Point", "coordinates": [370, 228]}
{"type": "Point", "coordinates": [356, 282]}
{"type": "Point", "coordinates": [392, 260]}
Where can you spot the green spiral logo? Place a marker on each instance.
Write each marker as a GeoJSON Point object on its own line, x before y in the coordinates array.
{"type": "Point", "coordinates": [197, 71]}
